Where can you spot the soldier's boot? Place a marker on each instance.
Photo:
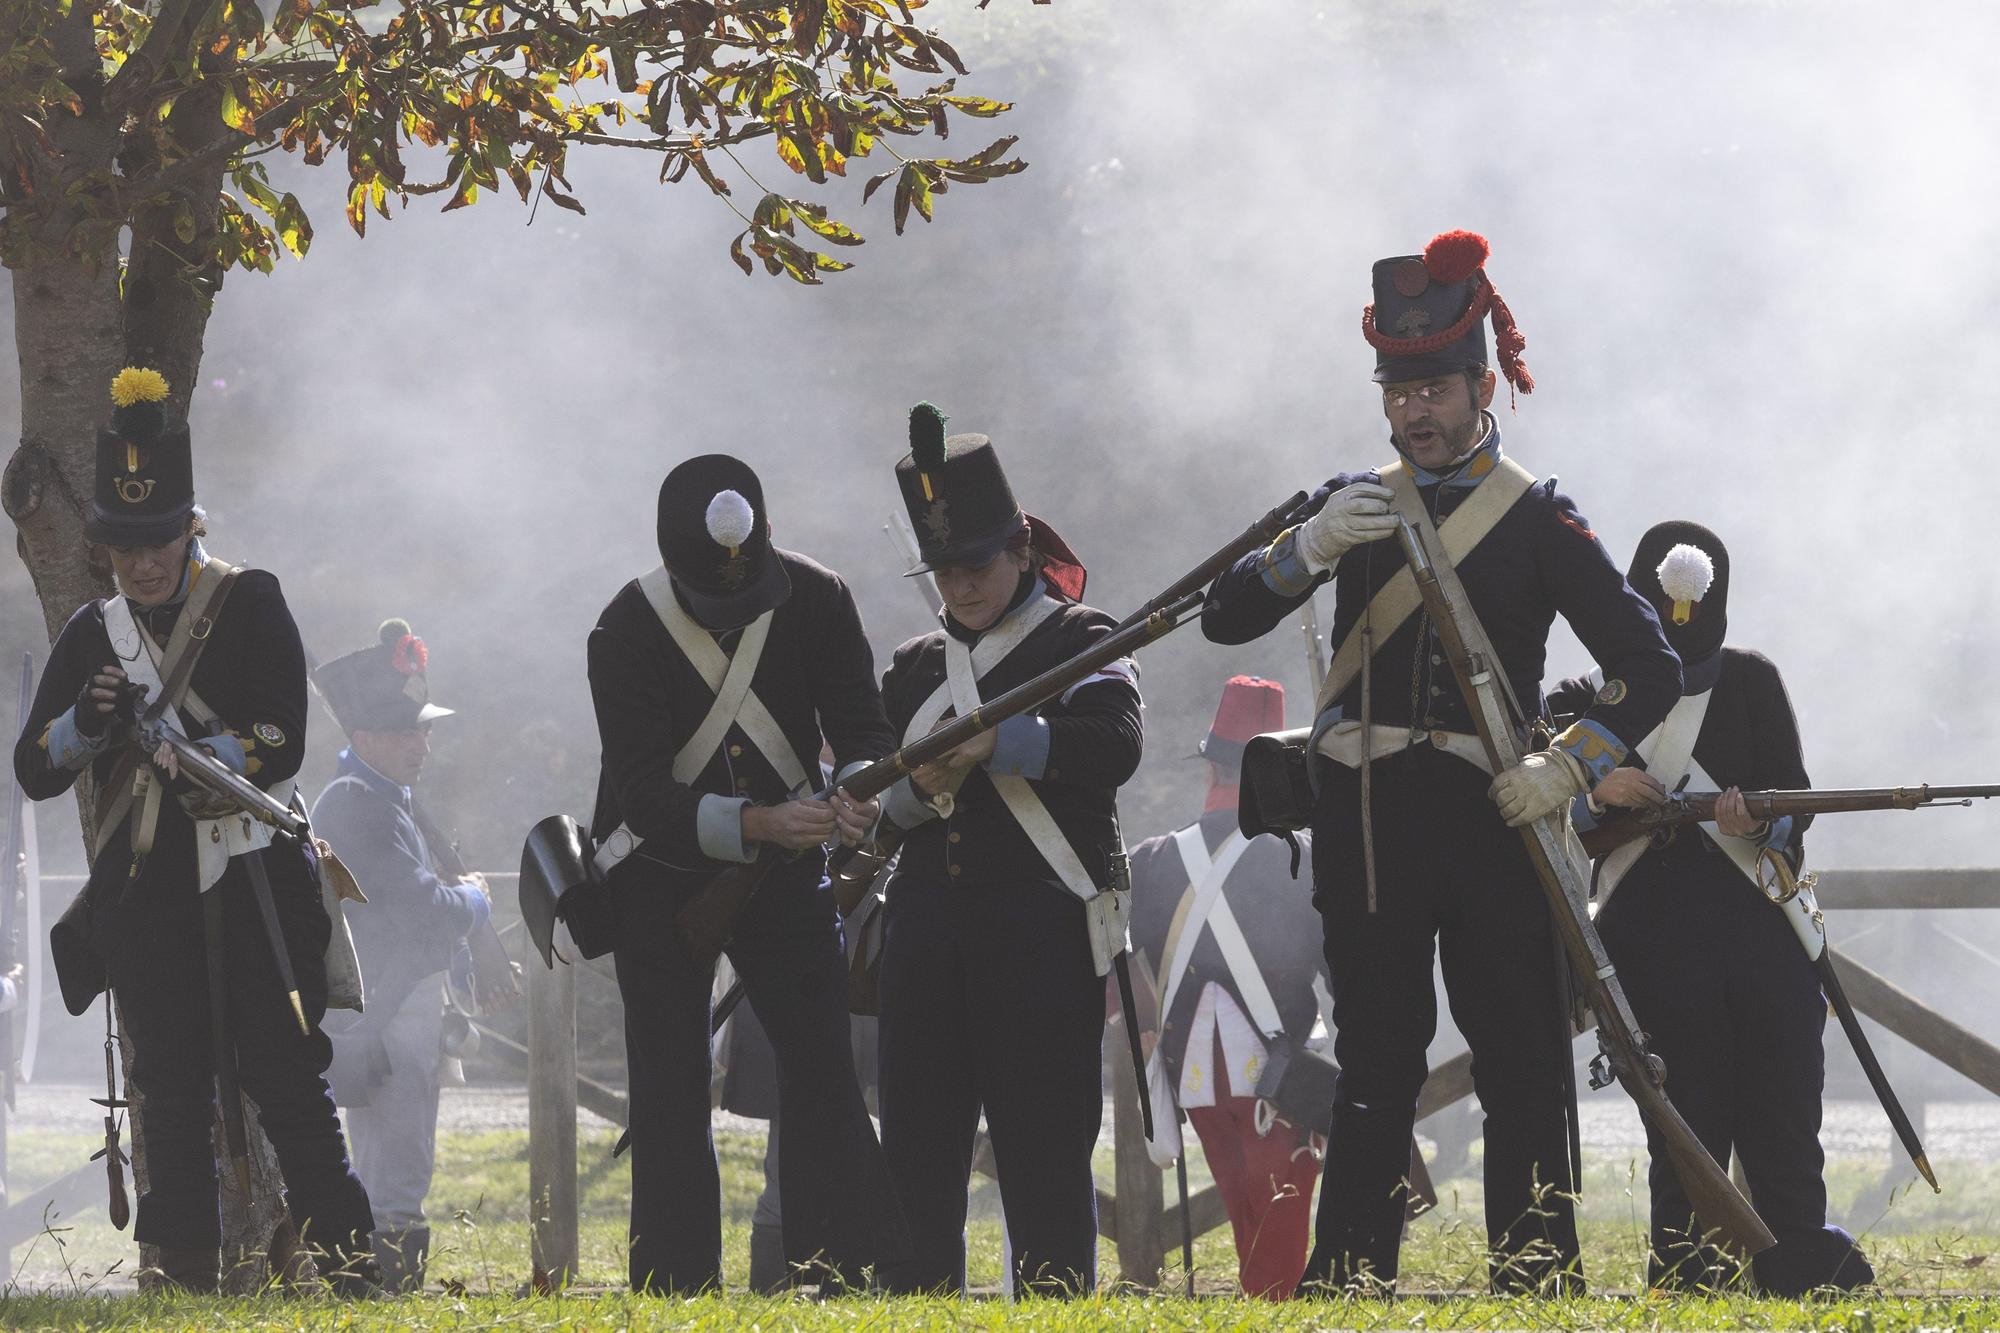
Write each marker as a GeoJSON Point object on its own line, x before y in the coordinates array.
{"type": "Point", "coordinates": [352, 1276]}
{"type": "Point", "coordinates": [403, 1254]}
{"type": "Point", "coordinates": [768, 1273]}
{"type": "Point", "coordinates": [195, 1271]}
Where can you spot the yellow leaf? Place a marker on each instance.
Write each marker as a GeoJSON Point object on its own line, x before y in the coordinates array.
{"type": "Point", "coordinates": [234, 114]}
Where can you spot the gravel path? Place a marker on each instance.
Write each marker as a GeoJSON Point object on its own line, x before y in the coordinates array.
{"type": "Point", "coordinates": [1960, 1130]}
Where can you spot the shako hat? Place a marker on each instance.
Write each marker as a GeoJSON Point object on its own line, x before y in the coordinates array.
{"type": "Point", "coordinates": [1251, 706]}
{"type": "Point", "coordinates": [1429, 314]}
{"type": "Point", "coordinates": [715, 539]}
{"type": "Point", "coordinates": [144, 489]}
{"type": "Point", "coordinates": [1683, 570]}
{"type": "Point", "coordinates": [382, 687]}
{"type": "Point", "coordinates": [964, 511]}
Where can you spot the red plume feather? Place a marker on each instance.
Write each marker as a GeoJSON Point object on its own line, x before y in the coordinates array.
{"type": "Point", "coordinates": [411, 656]}
{"type": "Point", "coordinates": [1454, 256]}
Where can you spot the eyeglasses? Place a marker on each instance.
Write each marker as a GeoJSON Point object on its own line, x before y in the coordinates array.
{"type": "Point", "coordinates": [1430, 393]}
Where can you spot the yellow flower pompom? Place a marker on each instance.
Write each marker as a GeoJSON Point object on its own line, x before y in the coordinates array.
{"type": "Point", "coordinates": [138, 384]}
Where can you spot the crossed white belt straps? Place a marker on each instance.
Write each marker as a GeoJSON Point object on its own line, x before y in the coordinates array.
{"type": "Point", "coordinates": [735, 704]}
{"type": "Point", "coordinates": [1107, 913]}
{"type": "Point", "coordinates": [1207, 873]}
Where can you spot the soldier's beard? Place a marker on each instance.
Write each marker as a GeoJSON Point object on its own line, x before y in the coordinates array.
{"type": "Point", "coordinates": [1459, 440]}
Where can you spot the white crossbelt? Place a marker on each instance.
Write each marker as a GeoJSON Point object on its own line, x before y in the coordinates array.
{"type": "Point", "coordinates": [1667, 751]}
{"type": "Point", "coordinates": [1206, 876]}
{"type": "Point", "coordinates": [1669, 755]}
{"type": "Point", "coordinates": [1106, 913]}
{"type": "Point", "coordinates": [215, 840]}
{"type": "Point", "coordinates": [735, 704]}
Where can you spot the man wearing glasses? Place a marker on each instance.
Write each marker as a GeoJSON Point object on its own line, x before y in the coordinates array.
{"type": "Point", "coordinates": [1446, 871]}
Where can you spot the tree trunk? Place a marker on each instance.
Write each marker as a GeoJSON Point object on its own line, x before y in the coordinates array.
{"type": "Point", "coordinates": [74, 329]}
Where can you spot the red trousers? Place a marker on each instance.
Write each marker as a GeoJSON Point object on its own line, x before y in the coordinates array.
{"type": "Point", "coordinates": [1266, 1184]}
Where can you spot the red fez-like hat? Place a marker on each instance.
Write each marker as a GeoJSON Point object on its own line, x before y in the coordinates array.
{"type": "Point", "coordinates": [1251, 706]}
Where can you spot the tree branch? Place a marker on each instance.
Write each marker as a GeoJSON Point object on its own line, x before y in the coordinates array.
{"type": "Point", "coordinates": [133, 77]}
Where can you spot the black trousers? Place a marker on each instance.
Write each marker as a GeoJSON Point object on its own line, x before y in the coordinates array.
{"type": "Point", "coordinates": [840, 1213]}
{"type": "Point", "coordinates": [158, 960]}
{"type": "Point", "coordinates": [990, 1000]}
{"type": "Point", "coordinates": [1733, 1006]}
{"type": "Point", "coordinates": [1450, 875]}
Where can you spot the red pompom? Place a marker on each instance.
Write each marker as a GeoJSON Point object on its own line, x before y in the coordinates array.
{"type": "Point", "coordinates": [411, 656]}
{"type": "Point", "coordinates": [1454, 256]}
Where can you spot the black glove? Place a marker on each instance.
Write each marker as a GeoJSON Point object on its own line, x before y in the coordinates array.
{"type": "Point", "coordinates": [90, 723]}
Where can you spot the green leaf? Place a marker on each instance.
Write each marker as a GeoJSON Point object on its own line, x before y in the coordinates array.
{"type": "Point", "coordinates": [234, 113]}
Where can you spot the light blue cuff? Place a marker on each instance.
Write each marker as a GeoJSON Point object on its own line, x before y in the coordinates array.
{"type": "Point", "coordinates": [1580, 817]}
{"type": "Point", "coordinates": [718, 828]}
{"type": "Point", "coordinates": [1594, 746]}
{"type": "Point", "coordinates": [482, 907]}
{"type": "Point", "coordinates": [903, 807]}
{"type": "Point", "coordinates": [230, 751]}
{"type": "Point", "coordinates": [1285, 571]}
{"type": "Point", "coordinates": [70, 748]}
{"type": "Point", "coordinates": [1778, 835]}
{"type": "Point", "coordinates": [1020, 747]}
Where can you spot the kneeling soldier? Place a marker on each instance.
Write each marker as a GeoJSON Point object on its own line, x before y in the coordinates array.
{"type": "Point", "coordinates": [714, 677]}
{"type": "Point", "coordinates": [990, 993]}
{"type": "Point", "coordinates": [1714, 971]}
{"type": "Point", "coordinates": [177, 881]}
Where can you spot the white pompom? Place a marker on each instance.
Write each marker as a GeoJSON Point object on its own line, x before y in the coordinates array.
{"type": "Point", "coordinates": [1686, 573]}
{"type": "Point", "coordinates": [730, 519]}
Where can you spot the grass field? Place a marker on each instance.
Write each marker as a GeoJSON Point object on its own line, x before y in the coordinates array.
{"type": "Point", "coordinates": [1944, 1274]}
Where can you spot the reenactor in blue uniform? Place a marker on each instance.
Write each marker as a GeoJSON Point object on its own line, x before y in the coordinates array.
{"type": "Point", "coordinates": [1714, 971]}
{"type": "Point", "coordinates": [1445, 870]}
{"type": "Point", "coordinates": [717, 677]}
{"type": "Point", "coordinates": [991, 996]}
{"type": "Point", "coordinates": [387, 1067]}
{"type": "Point", "coordinates": [142, 924]}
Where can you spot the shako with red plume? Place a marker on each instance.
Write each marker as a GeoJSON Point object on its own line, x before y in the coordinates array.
{"type": "Point", "coordinates": [1430, 311]}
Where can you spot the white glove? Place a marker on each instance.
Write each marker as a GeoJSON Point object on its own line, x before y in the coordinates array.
{"type": "Point", "coordinates": [1352, 515]}
{"type": "Point", "coordinates": [1539, 785]}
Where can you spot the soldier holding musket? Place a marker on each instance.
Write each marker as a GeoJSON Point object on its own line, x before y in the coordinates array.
{"type": "Point", "coordinates": [1410, 853]}
{"type": "Point", "coordinates": [717, 677]}
{"type": "Point", "coordinates": [186, 898]}
{"type": "Point", "coordinates": [998, 937]}
{"type": "Point", "coordinates": [1713, 970]}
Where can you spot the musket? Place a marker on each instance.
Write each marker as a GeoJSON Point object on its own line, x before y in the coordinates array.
{"type": "Point", "coordinates": [1718, 1205]}
{"type": "Point", "coordinates": [705, 925]}
{"type": "Point", "coordinates": [1619, 826]}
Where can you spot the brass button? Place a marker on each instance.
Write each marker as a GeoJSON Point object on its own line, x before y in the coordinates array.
{"type": "Point", "coordinates": [954, 837]}
{"type": "Point", "coordinates": [735, 752]}
{"type": "Point", "coordinates": [1438, 738]}
{"type": "Point", "coordinates": [954, 870]}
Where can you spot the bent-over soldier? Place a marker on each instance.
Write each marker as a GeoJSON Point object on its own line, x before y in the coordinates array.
{"type": "Point", "coordinates": [1714, 971]}
{"type": "Point", "coordinates": [1445, 870]}
{"type": "Point", "coordinates": [170, 914]}
{"type": "Point", "coordinates": [991, 996]}
{"type": "Point", "coordinates": [1236, 947]}
{"type": "Point", "coordinates": [716, 678]}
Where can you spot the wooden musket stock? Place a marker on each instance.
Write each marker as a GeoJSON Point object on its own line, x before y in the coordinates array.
{"type": "Point", "coordinates": [1698, 807]}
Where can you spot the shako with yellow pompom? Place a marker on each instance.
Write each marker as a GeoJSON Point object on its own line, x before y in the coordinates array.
{"type": "Point", "coordinates": [144, 488]}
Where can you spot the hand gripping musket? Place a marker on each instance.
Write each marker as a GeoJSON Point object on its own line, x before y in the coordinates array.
{"type": "Point", "coordinates": [706, 922]}
{"type": "Point", "coordinates": [1480, 680]}
{"type": "Point", "coordinates": [1698, 807]}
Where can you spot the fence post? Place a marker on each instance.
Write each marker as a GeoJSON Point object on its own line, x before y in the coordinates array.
{"type": "Point", "coordinates": [552, 1187]}
{"type": "Point", "coordinates": [1138, 1197]}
